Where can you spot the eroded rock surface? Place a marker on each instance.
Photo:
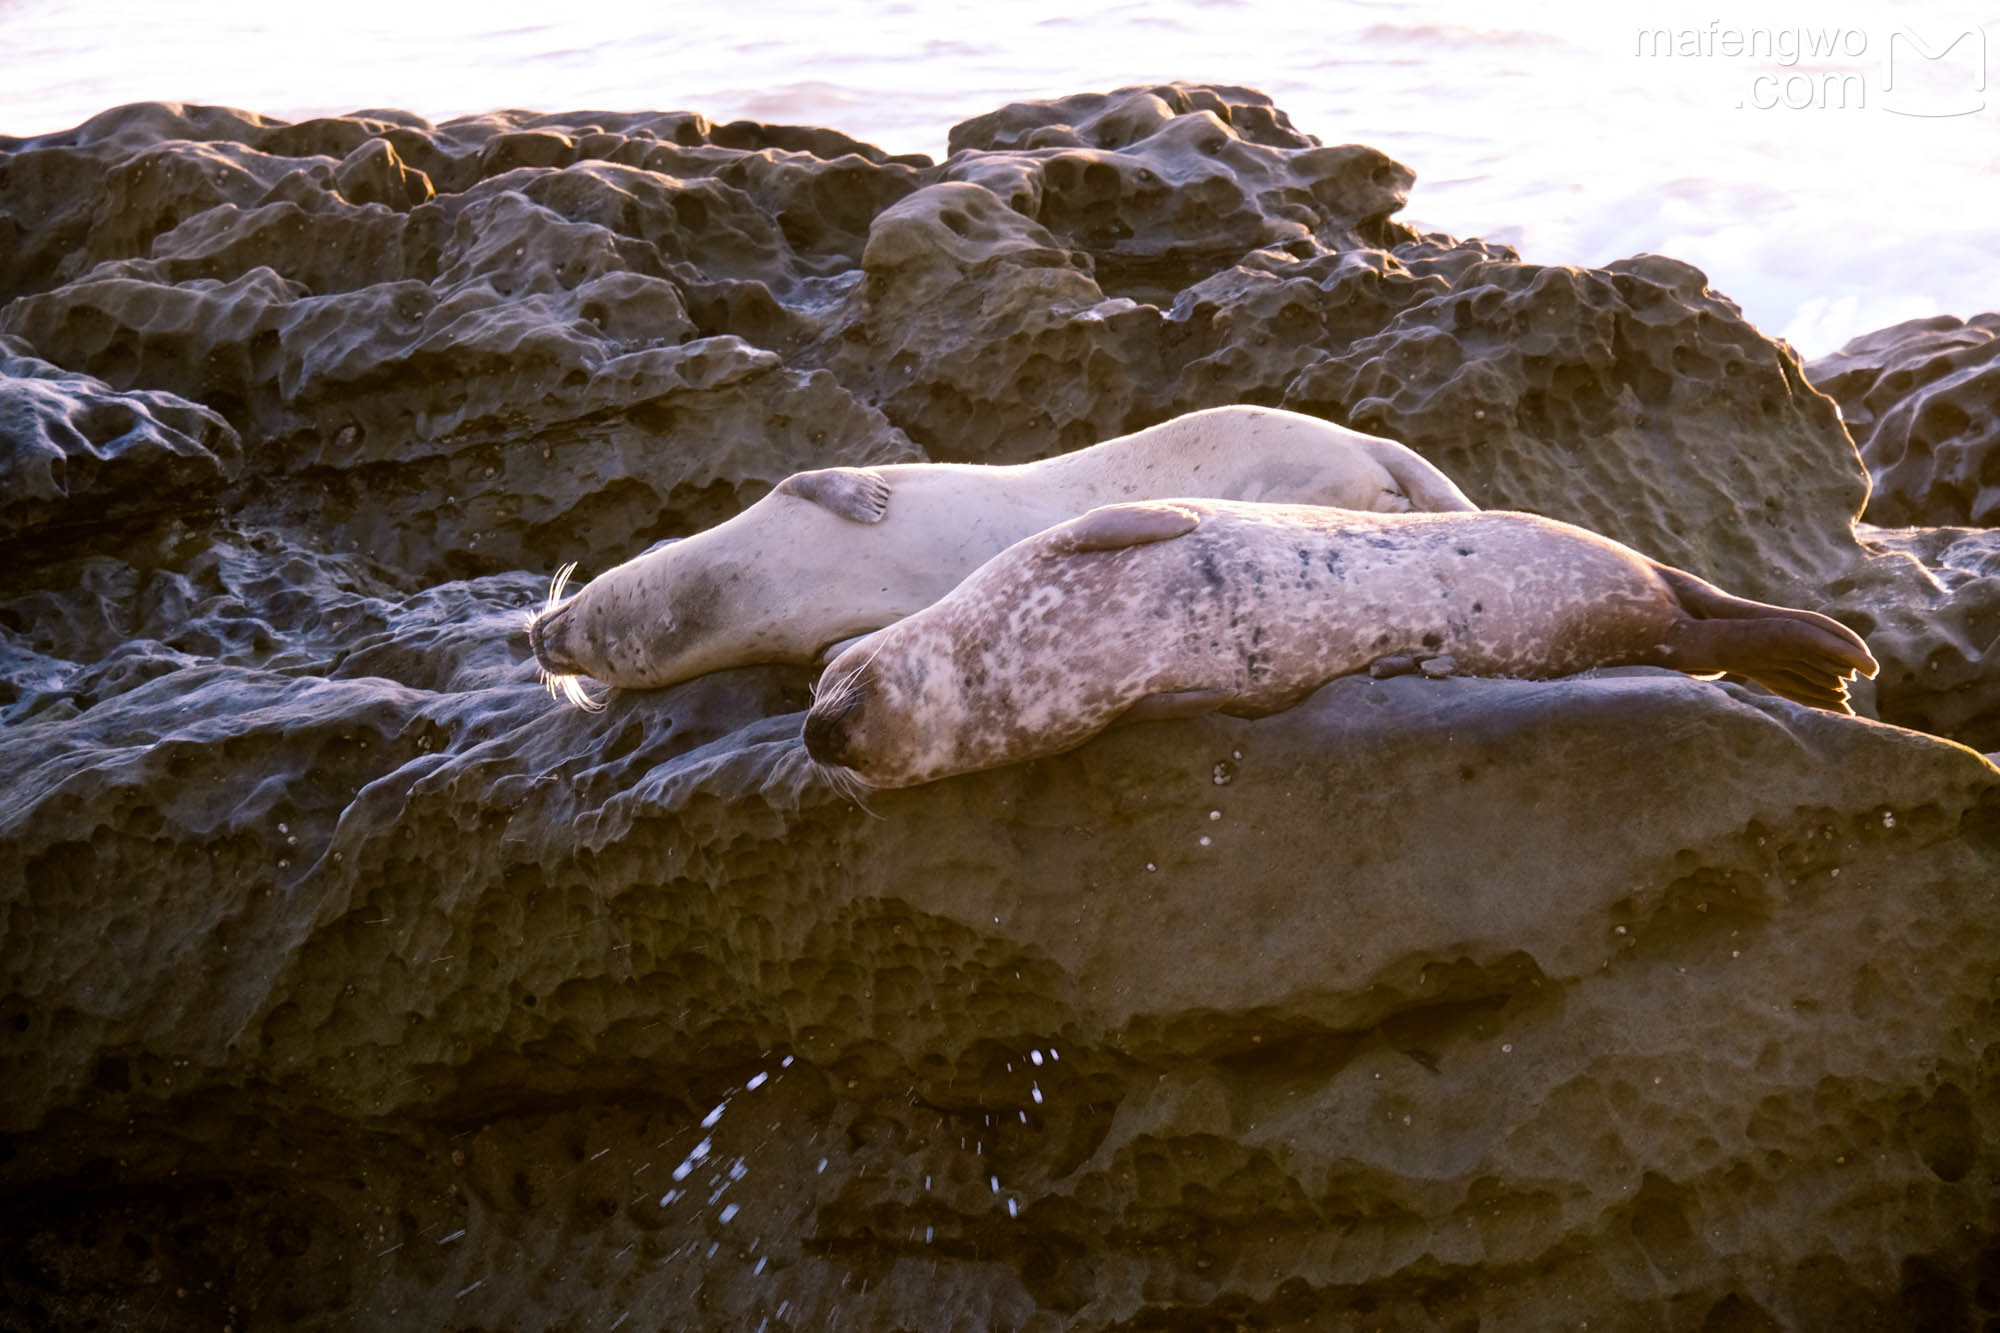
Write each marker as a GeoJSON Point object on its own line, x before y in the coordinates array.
{"type": "Point", "coordinates": [351, 982]}
{"type": "Point", "coordinates": [1923, 401]}
{"type": "Point", "coordinates": [1930, 605]}
{"type": "Point", "coordinates": [75, 456]}
{"type": "Point", "coordinates": [1205, 1018]}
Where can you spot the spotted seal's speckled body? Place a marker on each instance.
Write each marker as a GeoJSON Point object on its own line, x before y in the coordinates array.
{"type": "Point", "coordinates": [1173, 608]}
{"type": "Point", "coordinates": [842, 551]}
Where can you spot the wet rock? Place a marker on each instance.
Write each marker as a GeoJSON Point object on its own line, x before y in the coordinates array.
{"type": "Point", "coordinates": [983, 336]}
{"type": "Point", "coordinates": [1919, 399]}
{"type": "Point", "coordinates": [526, 253]}
{"type": "Point", "coordinates": [1271, 317]}
{"type": "Point", "coordinates": [1177, 199]}
{"type": "Point", "coordinates": [1164, 185]}
{"type": "Point", "coordinates": [166, 162]}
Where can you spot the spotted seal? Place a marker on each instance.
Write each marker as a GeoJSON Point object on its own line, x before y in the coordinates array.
{"type": "Point", "coordinates": [1174, 608]}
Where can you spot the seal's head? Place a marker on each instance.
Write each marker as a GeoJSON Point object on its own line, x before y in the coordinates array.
{"type": "Point", "coordinates": [857, 716]}
{"type": "Point", "coordinates": [661, 617]}
{"type": "Point", "coordinates": [867, 726]}
{"type": "Point", "coordinates": [547, 636]}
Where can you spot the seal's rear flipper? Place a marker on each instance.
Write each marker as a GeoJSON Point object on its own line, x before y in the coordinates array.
{"type": "Point", "coordinates": [1704, 601]}
{"type": "Point", "coordinates": [1174, 703]}
{"type": "Point", "coordinates": [1114, 527]}
{"type": "Point", "coordinates": [1793, 658]}
{"type": "Point", "coordinates": [859, 493]}
{"type": "Point", "coordinates": [1801, 687]}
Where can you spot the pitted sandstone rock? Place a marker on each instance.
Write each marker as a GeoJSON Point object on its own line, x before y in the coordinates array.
{"type": "Point", "coordinates": [1929, 603]}
{"type": "Point", "coordinates": [1922, 399]}
{"type": "Point", "coordinates": [76, 456]}
{"type": "Point", "coordinates": [351, 982]}
{"type": "Point", "coordinates": [556, 946]}
{"type": "Point", "coordinates": [1163, 185]}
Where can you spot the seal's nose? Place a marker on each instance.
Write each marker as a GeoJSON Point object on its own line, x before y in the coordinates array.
{"type": "Point", "coordinates": [826, 732]}
{"type": "Point", "coordinates": [547, 654]}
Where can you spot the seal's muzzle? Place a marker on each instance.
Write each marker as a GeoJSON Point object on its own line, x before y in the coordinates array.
{"type": "Point", "coordinates": [826, 732]}
{"type": "Point", "coordinates": [546, 655]}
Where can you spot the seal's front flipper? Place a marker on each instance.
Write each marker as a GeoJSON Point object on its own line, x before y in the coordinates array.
{"type": "Point", "coordinates": [859, 493]}
{"type": "Point", "coordinates": [1419, 483]}
{"type": "Point", "coordinates": [1175, 703]}
{"type": "Point", "coordinates": [1114, 527]}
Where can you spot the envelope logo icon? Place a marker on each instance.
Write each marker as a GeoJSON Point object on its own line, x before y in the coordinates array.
{"type": "Point", "coordinates": [1935, 80]}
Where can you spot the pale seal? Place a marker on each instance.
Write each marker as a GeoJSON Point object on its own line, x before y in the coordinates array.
{"type": "Point", "coordinates": [1173, 608]}
{"type": "Point", "coordinates": [838, 552]}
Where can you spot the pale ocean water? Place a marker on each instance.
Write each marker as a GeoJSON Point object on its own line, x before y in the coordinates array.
{"type": "Point", "coordinates": [1832, 169]}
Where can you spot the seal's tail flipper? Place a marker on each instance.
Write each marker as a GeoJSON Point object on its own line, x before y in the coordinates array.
{"type": "Point", "coordinates": [1789, 657]}
{"type": "Point", "coordinates": [1802, 655]}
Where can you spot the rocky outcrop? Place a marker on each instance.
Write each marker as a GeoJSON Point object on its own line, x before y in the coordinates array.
{"type": "Point", "coordinates": [1929, 603]}
{"type": "Point", "coordinates": [448, 996]}
{"type": "Point", "coordinates": [382, 357]}
{"type": "Point", "coordinates": [1923, 401]}
{"type": "Point", "coordinates": [352, 982]}
{"type": "Point", "coordinates": [76, 457]}
{"type": "Point", "coordinates": [1920, 398]}
{"type": "Point", "coordinates": [1164, 186]}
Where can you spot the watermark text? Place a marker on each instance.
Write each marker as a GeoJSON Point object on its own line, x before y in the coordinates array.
{"type": "Point", "coordinates": [1933, 74]}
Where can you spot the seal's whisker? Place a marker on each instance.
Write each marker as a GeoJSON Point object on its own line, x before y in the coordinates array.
{"type": "Point", "coordinates": [836, 689]}
{"type": "Point", "coordinates": [846, 682]}
{"type": "Point", "coordinates": [871, 657]}
{"type": "Point", "coordinates": [570, 687]}
{"type": "Point", "coordinates": [561, 685]}
{"type": "Point", "coordinates": [573, 690]}
{"type": "Point", "coordinates": [842, 685]}
{"type": "Point", "coordinates": [847, 783]}
{"type": "Point", "coordinates": [557, 584]}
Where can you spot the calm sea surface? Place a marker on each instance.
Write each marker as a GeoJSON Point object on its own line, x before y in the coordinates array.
{"type": "Point", "coordinates": [1832, 170]}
